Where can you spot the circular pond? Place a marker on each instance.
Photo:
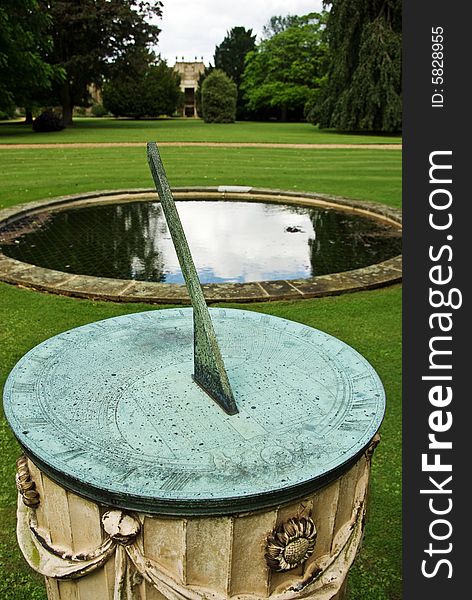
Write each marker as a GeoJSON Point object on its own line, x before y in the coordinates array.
{"type": "Point", "coordinates": [230, 241]}
{"type": "Point", "coordinates": [268, 244]}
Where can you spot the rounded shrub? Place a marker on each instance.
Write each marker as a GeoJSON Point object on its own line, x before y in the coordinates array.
{"type": "Point", "coordinates": [48, 121]}
{"type": "Point", "coordinates": [219, 96]}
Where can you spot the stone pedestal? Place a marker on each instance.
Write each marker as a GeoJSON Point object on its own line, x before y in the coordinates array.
{"type": "Point", "coordinates": [88, 551]}
{"type": "Point", "coordinates": [139, 486]}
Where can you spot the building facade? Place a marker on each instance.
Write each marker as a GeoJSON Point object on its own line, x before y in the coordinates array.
{"type": "Point", "coordinates": [189, 73]}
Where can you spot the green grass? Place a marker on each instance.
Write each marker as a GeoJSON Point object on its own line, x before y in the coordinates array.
{"type": "Point", "coordinates": [365, 174]}
{"type": "Point", "coordinates": [184, 130]}
{"type": "Point", "coordinates": [369, 321]}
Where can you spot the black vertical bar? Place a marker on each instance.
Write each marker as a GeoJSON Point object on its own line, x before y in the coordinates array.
{"type": "Point", "coordinates": [437, 117]}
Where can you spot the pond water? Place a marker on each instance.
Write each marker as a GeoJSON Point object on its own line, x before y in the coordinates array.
{"type": "Point", "coordinates": [229, 241]}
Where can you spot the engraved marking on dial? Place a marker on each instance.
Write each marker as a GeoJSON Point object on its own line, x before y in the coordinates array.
{"type": "Point", "coordinates": [24, 388]}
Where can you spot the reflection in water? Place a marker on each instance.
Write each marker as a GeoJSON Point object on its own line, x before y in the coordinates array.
{"type": "Point", "coordinates": [229, 241]}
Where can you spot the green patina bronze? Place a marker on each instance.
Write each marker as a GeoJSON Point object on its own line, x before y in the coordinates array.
{"type": "Point", "coordinates": [209, 369]}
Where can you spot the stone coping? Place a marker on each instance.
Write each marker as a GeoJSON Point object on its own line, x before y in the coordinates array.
{"type": "Point", "coordinates": [121, 290]}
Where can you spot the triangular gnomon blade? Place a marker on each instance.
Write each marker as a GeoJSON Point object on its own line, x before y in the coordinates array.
{"type": "Point", "coordinates": [210, 372]}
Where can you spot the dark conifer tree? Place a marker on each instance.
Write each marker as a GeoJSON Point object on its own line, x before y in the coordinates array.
{"type": "Point", "coordinates": [363, 85]}
{"type": "Point", "coordinates": [230, 58]}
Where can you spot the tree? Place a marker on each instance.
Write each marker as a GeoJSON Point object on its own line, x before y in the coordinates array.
{"type": "Point", "coordinates": [230, 57]}
{"type": "Point", "coordinates": [277, 24]}
{"type": "Point", "coordinates": [89, 35]}
{"type": "Point", "coordinates": [23, 41]}
{"type": "Point", "coordinates": [285, 70]}
{"type": "Point", "coordinates": [230, 54]}
{"type": "Point", "coordinates": [363, 85]}
{"type": "Point", "coordinates": [142, 86]}
{"type": "Point", "coordinates": [219, 95]}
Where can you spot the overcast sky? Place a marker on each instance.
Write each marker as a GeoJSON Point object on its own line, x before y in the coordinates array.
{"type": "Point", "coordinates": [193, 29]}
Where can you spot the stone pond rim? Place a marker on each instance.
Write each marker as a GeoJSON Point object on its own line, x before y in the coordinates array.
{"type": "Point", "coordinates": [121, 290]}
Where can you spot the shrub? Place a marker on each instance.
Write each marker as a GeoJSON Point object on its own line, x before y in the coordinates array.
{"type": "Point", "coordinates": [48, 121]}
{"type": "Point", "coordinates": [98, 110]}
{"type": "Point", "coordinates": [219, 96]}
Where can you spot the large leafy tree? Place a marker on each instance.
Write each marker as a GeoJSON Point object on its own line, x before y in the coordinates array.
{"type": "Point", "coordinates": [230, 57]}
{"type": "Point", "coordinates": [363, 85]}
{"type": "Point", "coordinates": [285, 70]}
{"type": "Point", "coordinates": [89, 35]}
{"type": "Point", "coordinates": [141, 85]}
{"type": "Point", "coordinates": [277, 24]}
{"type": "Point", "coordinates": [23, 44]}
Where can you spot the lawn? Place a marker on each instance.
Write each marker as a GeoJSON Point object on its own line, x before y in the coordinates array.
{"type": "Point", "coordinates": [369, 321]}
{"type": "Point", "coordinates": [39, 173]}
{"type": "Point", "coordinates": [184, 130]}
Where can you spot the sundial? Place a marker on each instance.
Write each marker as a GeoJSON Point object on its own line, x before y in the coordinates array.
{"type": "Point", "coordinates": [193, 410]}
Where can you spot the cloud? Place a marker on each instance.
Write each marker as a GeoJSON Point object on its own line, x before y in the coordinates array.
{"type": "Point", "coordinates": [193, 29]}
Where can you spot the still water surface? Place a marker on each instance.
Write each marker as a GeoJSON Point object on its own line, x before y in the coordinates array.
{"type": "Point", "coordinates": [229, 241]}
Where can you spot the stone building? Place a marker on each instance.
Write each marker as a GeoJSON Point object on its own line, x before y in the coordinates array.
{"type": "Point", "coordinates": [189, 73]}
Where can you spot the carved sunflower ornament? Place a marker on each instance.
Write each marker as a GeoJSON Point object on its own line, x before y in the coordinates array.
{"type": "Point", "coordinates": [291, 544]}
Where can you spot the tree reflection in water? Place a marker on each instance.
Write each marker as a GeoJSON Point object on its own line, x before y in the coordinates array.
{"type": "Point", "coordinates": [349, 242]}
{"type": "Point", "coordinates": [230, 241]}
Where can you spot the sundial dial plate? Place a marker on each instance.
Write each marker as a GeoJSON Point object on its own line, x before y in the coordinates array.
{"type": "Point", "coordinates": [111, 411]}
